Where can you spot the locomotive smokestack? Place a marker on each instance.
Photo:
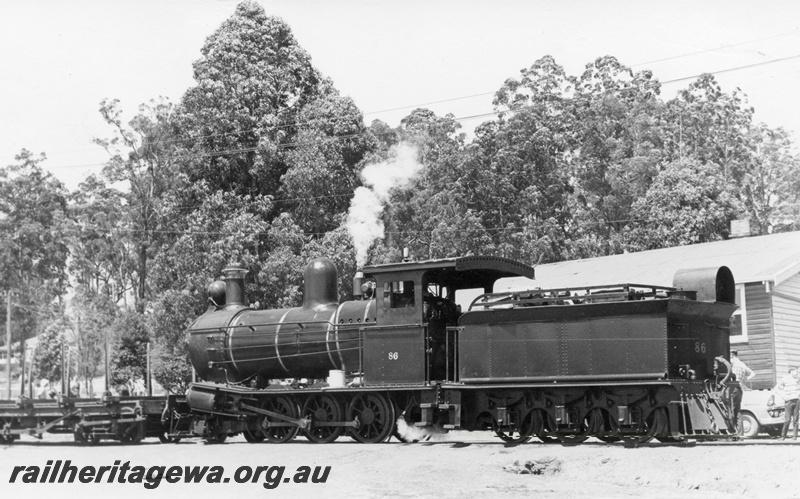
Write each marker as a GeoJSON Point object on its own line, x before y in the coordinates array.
{"type": "Point", "coordinates": [234, 286]}
{"type": "Point", "coordinates": [358, 280]}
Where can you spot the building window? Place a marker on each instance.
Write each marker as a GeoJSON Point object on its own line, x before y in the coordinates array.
{"type": "Point", "coordinates": [739, 318]}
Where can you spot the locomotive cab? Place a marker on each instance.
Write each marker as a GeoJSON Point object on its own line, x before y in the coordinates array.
{"type": "Point", "coordinates": [416, 339]}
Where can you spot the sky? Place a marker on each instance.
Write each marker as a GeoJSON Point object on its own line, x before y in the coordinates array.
{"type": "Point", "coordinates": [59, 58]}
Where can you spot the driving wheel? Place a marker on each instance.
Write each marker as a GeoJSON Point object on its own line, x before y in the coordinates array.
{"type": "Point", "coordinates": [375, 415]}
{"type": "Point", "coordinates": [322, 409]}
{"type": "Point", "coordinates": [277, 430]}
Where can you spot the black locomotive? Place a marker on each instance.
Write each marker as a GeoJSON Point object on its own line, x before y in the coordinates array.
{"type": "Point", "coordinates": [619, 362]}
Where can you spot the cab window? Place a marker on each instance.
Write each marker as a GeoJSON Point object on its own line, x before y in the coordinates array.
{"type": "Point", "coordinates": [399, 294]}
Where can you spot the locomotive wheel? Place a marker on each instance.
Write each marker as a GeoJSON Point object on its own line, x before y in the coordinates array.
{"type": "Point", "coordinates": [375, 415]}
{"type": "Point", "coordinates": [253, 436]}
{"type": "Point", "coordinates": [525, 432]}
{"type": "Point", "coordinates": [279, 434]}
{"type": "Point", "coordinates": [322, 409]}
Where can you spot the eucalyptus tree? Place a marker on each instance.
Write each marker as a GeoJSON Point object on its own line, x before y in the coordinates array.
{"type": "Point", "coordinates": [34, 229]}
{"type": "Point", "coordinates": [770, 186]}
{"type": "Point", "coordinates": [516, 167]}
{"type": "Point", "coordinates": [688, 203]}
{"type": "Point", "coordinates": [324, 161]}
{"type": "Point", "coordinates": [712, 126]}
{"type": "Point", "coordinates": [615, 151]}
{"type": "Point", "coordinates": [252, 81]}
{"type": "Point", "coordinates": [142, 159]}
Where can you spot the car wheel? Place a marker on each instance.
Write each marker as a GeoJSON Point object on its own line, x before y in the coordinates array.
{"type": "Point", "coordinates": [750, 427]}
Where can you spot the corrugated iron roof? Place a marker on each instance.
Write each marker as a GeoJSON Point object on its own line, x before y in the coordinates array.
{"type": "Point", "coordinates": [775, 257]}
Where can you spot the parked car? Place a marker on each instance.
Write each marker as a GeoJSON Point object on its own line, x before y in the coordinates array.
{"type": "Point", "coordinates": [762, 412]}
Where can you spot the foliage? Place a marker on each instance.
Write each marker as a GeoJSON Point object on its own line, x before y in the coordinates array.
{"type": "Point", "coordinates": [49, 356]}
{"type": "Point", "coordinates": [128, 361]}
{"type": "Point", "coordinates": [687, 204]}
{"type": "Point", "coordinates": [257, 165]}
{"type": "Point", "coordinates": [173, 372]}
{"type": "Point", "coordinates": [91, 317]}
{"type": "Point", "coordinates": [170, 314]}
{"type": "Point", "coordinates": [33, 229]}
{"type": "Point", "coordinates": [252, 81]}
{"type": "Point", "coordinates": [770, 183]}
{"type": "Point", "coordinates": [147, 173]}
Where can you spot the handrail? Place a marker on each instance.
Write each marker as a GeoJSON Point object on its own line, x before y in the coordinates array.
{"type": "Point", "coordinates": [569, 296]}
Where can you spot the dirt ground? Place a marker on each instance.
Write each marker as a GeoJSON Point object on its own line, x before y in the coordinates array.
{"type": "Point", "coordinates": [459, 464]}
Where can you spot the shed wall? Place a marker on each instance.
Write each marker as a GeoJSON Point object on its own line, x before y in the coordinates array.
{"type": "Point", "coordinates": [786, 311]}
{"type": "Point", "coordinates": [758, 351]}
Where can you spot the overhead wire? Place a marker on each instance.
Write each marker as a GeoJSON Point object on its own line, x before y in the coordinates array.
{"type": "Point", "coordinates": [396, 232]}
{"type": "Point", "coordinates": [483, 94]}
{"type": "Point", "coordinates": [462, 118]}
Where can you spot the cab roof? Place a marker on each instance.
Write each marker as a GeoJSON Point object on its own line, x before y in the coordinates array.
{"type": "Point", "coordinates": [462, 272]}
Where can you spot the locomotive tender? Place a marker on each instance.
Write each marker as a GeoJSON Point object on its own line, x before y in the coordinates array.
{"type": "Point", "coordinates": [619, 362]}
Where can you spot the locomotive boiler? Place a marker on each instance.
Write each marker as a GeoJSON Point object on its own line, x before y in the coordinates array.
{"type": "Point", "coordinates": [617, 362]}
{"type": "Point", "coordinates": [237, 344]}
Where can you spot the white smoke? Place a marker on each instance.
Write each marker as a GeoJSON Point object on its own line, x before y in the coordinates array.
{"type": "Point", "coordinates": [364, 216]}
{"type": "Point", "coordinates": [408, 433]}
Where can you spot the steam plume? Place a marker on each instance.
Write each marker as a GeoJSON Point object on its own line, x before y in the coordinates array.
{"type": "Point", "coordinates": [364, 216]}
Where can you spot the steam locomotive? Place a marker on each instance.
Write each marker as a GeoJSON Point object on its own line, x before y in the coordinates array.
{"type": "Point", "coordinates": [618, 362]}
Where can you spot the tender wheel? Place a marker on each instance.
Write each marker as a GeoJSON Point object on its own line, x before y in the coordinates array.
{"type": "Point", "coordinates": [656, 425]}
{"type": "Point", "coordinates": [546, 434]}
{"type": "Point", "coordinates": [596, 426]}
{"type": "Point", "coordinates": [275, 430]}
{"type": "Point", "coordinates": [375, 414]}
{"type": "Point", "coordinates": [323, 409]}
{"type": "Point", "coordinates": [750, 426]}
{"type": "Point", "coordinates": [527, 429]}
{"type": "Point", "coordinates": [576, 436]}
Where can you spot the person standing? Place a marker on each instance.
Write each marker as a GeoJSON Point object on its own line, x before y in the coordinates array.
{"type": "Point", "coordinates": [789, 388]}
{"type": "Point", "coordinates": [740, 369]}
{"type": "Point", "coordinates": [741, 374]}
{"type": "Point", "coordinates": [731, 392]}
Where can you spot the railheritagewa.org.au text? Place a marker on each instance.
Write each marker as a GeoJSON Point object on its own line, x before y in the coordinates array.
{"type": "Point", "coordinates": [58, 471]}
